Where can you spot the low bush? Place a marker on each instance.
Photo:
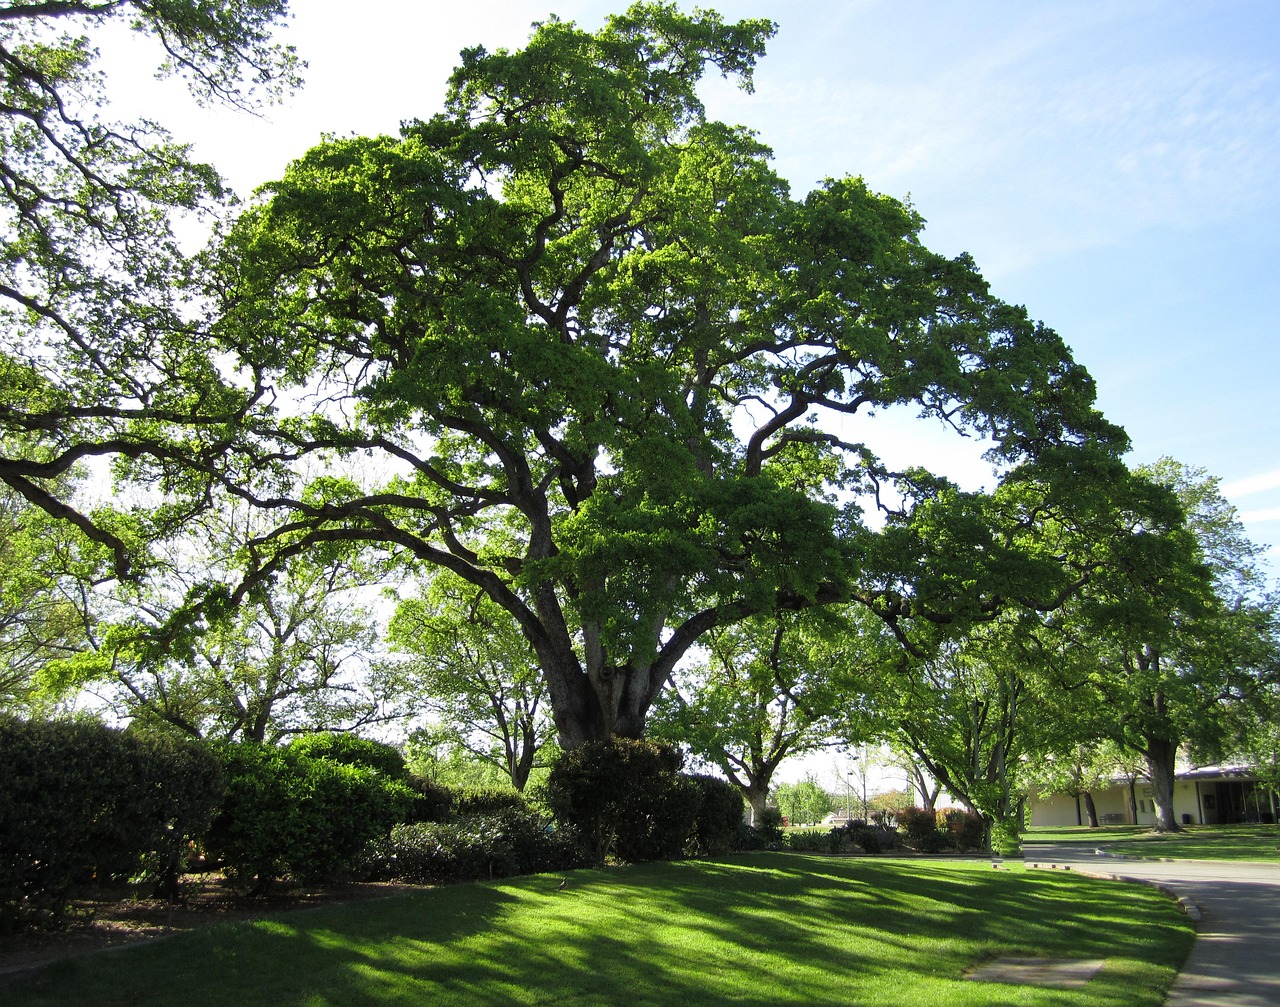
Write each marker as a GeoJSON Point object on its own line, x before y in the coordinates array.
{"type": "Point", "coordinates": [468, 801]}
{"type": "Point", "coordinates": [1006, 837]}
{"type": "Point", "coordinates": [920, 830]}
{"type": "Point", "coordinates": [720, 808]}
{"type": "Point", "coordinates": [352, 750]}
{"type": "Point", "coordinates": [432, 801]}
{"type": "Point", "coordinates": [810, 840]}
{"type": "Point", "coordinates": [967, 830]}
{"type": "Point", "coordinates": [80, 802]}
{"type": "Point", "coordinates": [770, 827]}
{"type": "Point", "coordinates": [477, 847]}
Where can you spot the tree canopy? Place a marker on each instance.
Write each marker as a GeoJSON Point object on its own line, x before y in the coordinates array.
{"type": "Point", "coordinates": [98, 355]}
{"type": "Point", "coordinates": [623, 379]}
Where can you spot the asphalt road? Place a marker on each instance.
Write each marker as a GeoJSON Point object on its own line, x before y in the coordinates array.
{"type": "Point", "coordinates": [1235, 961]}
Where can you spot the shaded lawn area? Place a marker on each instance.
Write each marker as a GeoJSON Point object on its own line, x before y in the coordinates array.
{"type": "Point", "coordinates": [1197, 842]}
{"type": "Point", "coordinates": [761, 929]}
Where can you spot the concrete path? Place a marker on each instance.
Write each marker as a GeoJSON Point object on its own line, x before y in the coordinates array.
{"type": "Point", "coordinates": [1235, 961]}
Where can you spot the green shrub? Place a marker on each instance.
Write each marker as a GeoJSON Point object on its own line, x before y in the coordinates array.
{"type": "Point", "coordinates": [809, 840]}
{"type": "Point", "coordinates": [626, 797]}
{"type": "Point", "coordinates": [719, 814]}
{"type": "Point", "coordinates": [478, 847]}
{"type": "Point", "coordinates": [432, 801]}
{"type": "Point", "coordinates": [351, 750]}
{"type": "Point", "coordinates": [1006, 838]}
{"type": "Point", "coordinates": [468, 801]}
{"type": "Point", "coordinates": [770, 827]}
{"type": "Point", "coordinates": [285, 813]}
{"type": "Point", "coordinates": [871, 838]}
{"type": "Point", "coordinates": [80, 802]}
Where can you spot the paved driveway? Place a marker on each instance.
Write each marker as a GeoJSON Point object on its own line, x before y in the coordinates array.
{"type": "Point", "coordinates": [1235, 961]}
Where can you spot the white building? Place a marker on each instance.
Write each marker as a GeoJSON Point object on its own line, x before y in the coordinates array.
{"type": "Point", "coordinates": [1207, 795]}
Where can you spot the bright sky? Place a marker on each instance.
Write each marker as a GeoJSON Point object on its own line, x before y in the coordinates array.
{"type": "Point", "coordinates": [1112, 164]}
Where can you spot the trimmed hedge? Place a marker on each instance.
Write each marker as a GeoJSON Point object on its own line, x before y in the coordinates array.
{"type": "Point", "coordinates": [285, 813]}
{"type": "Point", "coordinates": [352, 750]}
{"type": "Point", "coordinates": [716, 828]}
{"type": "Point", "coordinates": [478, 847]}
{"type": "Point", "coordinates": [80, 802]}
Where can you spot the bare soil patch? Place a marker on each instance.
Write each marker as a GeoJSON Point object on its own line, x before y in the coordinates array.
{"type": "Point", "coordinates": [116, 917]}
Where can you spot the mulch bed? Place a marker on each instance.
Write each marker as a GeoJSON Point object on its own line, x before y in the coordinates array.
{"type": "Point", "coordinates": [112, 918]}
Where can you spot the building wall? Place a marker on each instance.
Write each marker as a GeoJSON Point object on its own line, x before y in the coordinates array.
{"type": "Point", "coordinates": [1112, 803]}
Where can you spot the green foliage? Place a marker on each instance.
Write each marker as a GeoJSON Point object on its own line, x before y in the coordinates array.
{"type": "Point", "coordinates": [97, 358]}
{"type": "Point", "coordinates": [773, 688]}
{"type": "Point", "coordinates": [770, 826]}
{"type": "Point", "coordinates": [285, 813]}
{"type": "Point", "coordinates": [1006, 837]}
{"type": "Point", "coordinates": [626, 797]}
{"type": "Point", "coordinates": [42, 611]}
{"type": "Point", "coordinates": [604, 287]}
{"type": "Point", "coordinates": [476, 847]}
{"type": "Point", "coordinates": [803, 803]}
{"type": "Point", "coordinates": [720, 811]}
{"type": "Point", "coordinates": [287, 651]}
{"type": "Point", "coordinates": [80, 802]}
{"type": "Point", "coordinates": [468, 801]}
{"type": "Point", "coordinates": [810, 840]}
{"type": "Point", "coordinates": [352, 750]}
{"type": "Point", "coordinates": [473, 670]}
{"type": "Point", "coordinates": [432, 801]}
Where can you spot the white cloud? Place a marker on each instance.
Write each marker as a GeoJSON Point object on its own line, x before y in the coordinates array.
{"type": "Point", "coordinates": [1250, 485]}
{"type": "Point", "coordinates": [1260, 516]}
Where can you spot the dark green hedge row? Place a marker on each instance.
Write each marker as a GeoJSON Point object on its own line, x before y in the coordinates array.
{"type": "Point", "coordinates": [285, 812]}
{"type": "Point", "coordinates": [80, 802]}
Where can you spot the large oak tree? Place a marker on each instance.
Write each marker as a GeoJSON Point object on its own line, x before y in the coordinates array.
{"type": "Point", "coordinates": [580, 346]}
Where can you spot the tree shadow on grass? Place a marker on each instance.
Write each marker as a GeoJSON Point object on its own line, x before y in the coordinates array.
{"type": "Point", "coordinates": [752, 931]}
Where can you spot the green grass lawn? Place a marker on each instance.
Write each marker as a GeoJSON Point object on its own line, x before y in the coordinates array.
{"type": "Point", "coordinates": [1197, 842]}
{"type": "Point", "coordinates": [758, 930]}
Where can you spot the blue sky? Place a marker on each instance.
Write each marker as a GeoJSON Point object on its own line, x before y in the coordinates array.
{"type": "Point", "coordinates": [1114, 166]}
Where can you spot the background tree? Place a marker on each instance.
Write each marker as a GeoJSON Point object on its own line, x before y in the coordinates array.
{"type": "Point", "coordinates": [771, 688]}
{"type": "Point", "coordinates": [296, 656]}
{"type": "Point", "coordinates": [1179, 636]}
{"type": "Point", "coordinates": [1076, 773]}
{"type": "Point", "coordinates": [473, 670]}
{"type": "Point", "coordinates": [97, 356]}
{"type": "Point", "coordinates": [805, 802]}
{"type": "Point", "coordinates": [624, 376]}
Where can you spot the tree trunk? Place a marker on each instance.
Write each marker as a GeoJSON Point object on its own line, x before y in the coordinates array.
{"type": "Point", "coordinates": [1161, 755]}
{"type": "Point", "coordinates": [757, 796]}
{"type": "Point", "coordinates": [1090, 810]}
{"type": "Point", "coordinates": [1133, 800]}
